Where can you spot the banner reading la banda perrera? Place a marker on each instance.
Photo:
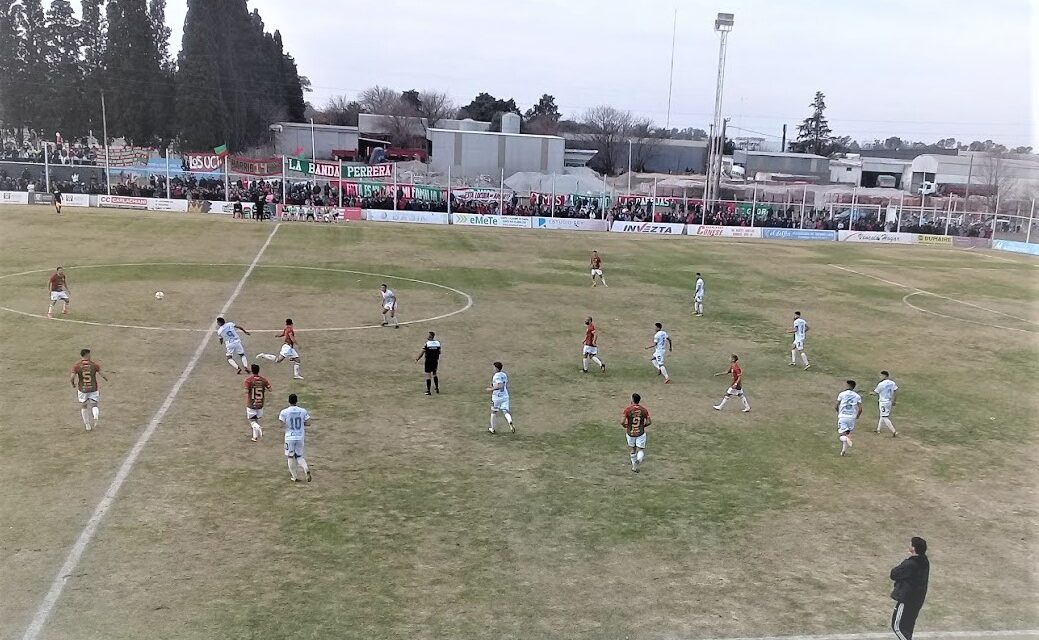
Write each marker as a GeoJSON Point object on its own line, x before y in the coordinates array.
{"type": "Point", "coordinates": [330, 170]}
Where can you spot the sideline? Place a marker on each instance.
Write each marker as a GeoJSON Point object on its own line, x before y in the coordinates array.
{"type": "Point", "coordinates": [970, 635]}
{"type": "Point", "coordinates": [75, 554]}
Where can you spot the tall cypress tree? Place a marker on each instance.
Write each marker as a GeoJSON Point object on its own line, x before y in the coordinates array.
{"type": "Point", "coordinates": [65, 109]}
{"type": "Point", "coordinates": [202, 109]}
{"type": "Point", "coordinates": [12, 65]}
{"type": "Point", "coordinates": [34, 44]}
{"type": "Point", "coordinates": [131, 70]}
{"type": "Point", "coordinates": [163, 108]}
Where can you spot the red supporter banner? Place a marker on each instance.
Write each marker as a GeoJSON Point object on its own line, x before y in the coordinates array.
{"type": "Point", "coordinates": [659, 201]}
{"type": "Point", "coordinates": [254, 166]}
{"type": "Point", "coordinates": [209, 162]}
{"type": "Point", "coordinates": [545, 199]}
{"type": "Point", "coordinates": [128, 156]}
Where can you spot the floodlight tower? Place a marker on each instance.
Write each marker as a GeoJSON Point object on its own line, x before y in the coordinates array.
{"type": "Point", "coordinates": [723, 25]}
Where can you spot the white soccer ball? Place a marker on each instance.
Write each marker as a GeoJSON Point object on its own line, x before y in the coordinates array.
{"type": "Point", "coordinates": [159, 295]}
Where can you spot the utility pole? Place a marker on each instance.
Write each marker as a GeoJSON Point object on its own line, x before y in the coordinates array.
{"type": "Point", "coordinates": [782, 148]}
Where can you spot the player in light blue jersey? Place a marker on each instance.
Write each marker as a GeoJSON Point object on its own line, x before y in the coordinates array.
{"type": "Point", "coordinates": [295, 419]}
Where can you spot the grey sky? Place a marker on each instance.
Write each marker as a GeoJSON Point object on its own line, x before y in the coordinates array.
{"type": "Point", "coordinates": [920, 69]}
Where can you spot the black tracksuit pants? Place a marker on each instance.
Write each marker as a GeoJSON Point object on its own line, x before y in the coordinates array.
{"type": "Point", "coordinates": [903, 619]}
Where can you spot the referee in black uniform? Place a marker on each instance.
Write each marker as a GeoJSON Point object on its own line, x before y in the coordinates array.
{"type": "Point", "coordinates": [431, 352]}
{"type": "Point", "coordinates": [910, 589]}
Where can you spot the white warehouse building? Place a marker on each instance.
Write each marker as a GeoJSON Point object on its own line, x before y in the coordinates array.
{"type": "Point", "coordinates": [470, 153]}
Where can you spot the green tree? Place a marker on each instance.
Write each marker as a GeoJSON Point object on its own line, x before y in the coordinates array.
{"type": "Point", "coordinates": [201, 102]}
{"type": "Point", "coordinates": [131, 70]}
{"type": "Point", "coordinates": [485, 106]}
{"type": "Point", "coordinates": [12, 66]}
{"type": "Point", "coordinates": [814, 134]}
{"type": "Point", "coordinates": [543, 117]}
{"type": "Point", "coordinates": [65, 108]}
{"type": "Point", "coordinates": [34, 52]}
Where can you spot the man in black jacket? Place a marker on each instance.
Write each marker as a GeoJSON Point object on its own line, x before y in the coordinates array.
{"type": "Point", "coordinates": [910, 589]}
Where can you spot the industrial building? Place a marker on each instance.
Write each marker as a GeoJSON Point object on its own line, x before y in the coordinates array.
{"type": "Point", "coordinates": [469, 154]}
{"type": "Point", "coordinates": [652, 155]}
{"type": "Point", "coordinates": [1017, 174]}
{"type": "Point", "coordinates": [763, 166]}
{"type": "Point", "coordinates": [860, 171]}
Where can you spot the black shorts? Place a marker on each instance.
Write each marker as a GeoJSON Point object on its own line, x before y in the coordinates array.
{"type": "Point", "coordinates": [431, 367]}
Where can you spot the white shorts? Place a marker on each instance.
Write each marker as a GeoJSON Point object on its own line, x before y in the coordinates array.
{"type": "Point", "coordinates": [389, 307]}
{"type": "Point", "coordinates": [92, 396]}
{"type": "Point", "coordinates": [590, 351]}
{"type": "Point", "coordinates": [234, 348]}
{"type": "Point", "coordinates": [288, 352]}
{"type": "Point", "coordinates": [799, 345]}
{"type": "Point", "coordinates": [733, 391]}
{"type": "Point", "coordinates": [698, 297]}
{"type": "Point", "coordinates": [639, 442]}
{"type": "Point", "coordinates": [500, 404]}
{"type": "Point", "coordinates": [253, 414]}
{"type": "Point", "coordinates": [59, 295]}
{"type": "Point", "coordinates": [596, 272]}
{"type": "Point", "coordinates": [885, 409]}
{"type": "Point", "coordinates": [658, 358]}
{"type": "Point", "coordinates": [293, 448]}
{"type": "Point", "coordinates": [845, 425]}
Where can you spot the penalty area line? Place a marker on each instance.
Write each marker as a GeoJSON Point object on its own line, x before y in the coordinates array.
{"type": "Point", "coordinates": [75, 554]}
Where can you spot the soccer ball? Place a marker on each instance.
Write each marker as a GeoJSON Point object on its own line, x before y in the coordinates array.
{"type": "Point", "coordinates": [159, 295]}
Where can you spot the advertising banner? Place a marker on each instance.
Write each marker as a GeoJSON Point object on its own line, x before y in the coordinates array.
{"type": "Point", "coordinates": [14, 197]}
{"type": "Point", "coordinates": [934, 240]}
{"type": "Point", "coordinates": [660, 228]}
{"type": "Point", "coordinates": [476, 220]}
{"type": "Point", "coordinates": [384, 170]}
{"type": "Point", "coordinates": [206, 162]}
{"type": "Point", "coordinates": [1016, 247]}
{"type": "Point", "coordinates": [798, 234]}
{"type": "Point", "coordinates": [75, 200]}
{"type": "Point", "coordinates": [971, 243]}
{"type": "Point", "coordinates": [40, 198]}
{"type": "Point", "coordinates": [122, 202]}
{"type": "Point", "coordinates": [344, 213]}
{"type": "Point", "coordinates": [876, 237]}
{"type": "Point", "coordinates": [162, 204]}
{"type": "Point", "coordinates": [419, 217]}
{"type": "Point", "coordinates": [262, 167]}
{"type": "Point", "coordinates": [713, 231]}
{"type": "Point", "coordinates": [571, 224]}
{"type": "Point", "coordinates": [216, 206]}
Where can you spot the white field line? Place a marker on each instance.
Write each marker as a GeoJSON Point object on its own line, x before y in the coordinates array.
{"type": "Point", "coordinates": [75, 554]}
{"type": "Point", "coordinates": [937, 635]}
{"type": "Point", "coordinates": [905, 300]}
{"type": "Point", "coordinates": [468, 298]}
{"type": "Point", "coordinates": [917, 290]}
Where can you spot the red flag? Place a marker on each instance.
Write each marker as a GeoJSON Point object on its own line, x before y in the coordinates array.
{"type": "Point", "coordinates": [298, 152]}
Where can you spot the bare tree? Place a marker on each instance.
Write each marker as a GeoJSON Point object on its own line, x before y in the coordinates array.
{"type": "Point", "coordinates": [379, 99]}
{"type": "Point", "coordinates": [433, 107]}
{"type": "Point", "coordinates": [339, 110]}
{"type": "Point", "coordinates": [397, 116]}
{"type": "Point", "coordinates": [996, 175]}
{"type": "Point", "coordinates": [643, 136]}
{"type": "Point", "coordinates": [608, 126]}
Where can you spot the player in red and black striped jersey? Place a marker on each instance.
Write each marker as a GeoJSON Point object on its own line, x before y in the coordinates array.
{"type": "Point", "coordinates": [736, 390]}
{"type": "Point", "coordinates": [256, 388]}
{"type": "Point", "coordinates": [84, 381]}
{"type": "Point", "coordinates": [635, 419]}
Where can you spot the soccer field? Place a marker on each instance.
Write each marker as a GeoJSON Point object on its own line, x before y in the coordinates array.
{"type": "Point", "coordinates": [421, 524]}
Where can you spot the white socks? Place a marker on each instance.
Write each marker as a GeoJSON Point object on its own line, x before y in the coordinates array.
{"type": "Point", "coordinates": [603, 281]}
{"type": "Point", "coordinates": [86, 418]}
{"type": "Point", "coordinates": [743, 401]}
{"type": "Point", "coordinates": [245, 362]}
{"type": "Point", "coordinates": [267, 356]}
{"type": "Point", "coordinates": [845, 444]}
{"type": "Point", "coordinates": [96, 411]}
{"type": "Point", "coordinates": [234, 365]}
{"type": "Point", "coordinates": [793, 356]}
{"type": "Point", "coordinates": [640, 456]}
{"type": "Point", "coordinates": [584, 365]}
{"type": "Point", "coordinates": [302, 462]}
{"type": "Point", "coordinates": [295, 369]}
{"type": "Point", "coordinates": [632, 456]}
{"type": "Point", "coordinates": [722, 403]}
{"type": "Point", "coordinates": [596, 360]}
{"type": "Point", "coordinates": [663, 371]}
{"type": "Point", "coordinates": [804, 358]}
{"type": "Point", "coordinates": [886, 422]}
{"type": "Point", "coordinates": [508, 416]}
{"type": "Point", "coordinates": [698, 308]}
{"type": "Point", "coordinates": [292, 467]}
{"type": "Point", "coordinates": [257, 431]}
{"type": "Point", "coordinates": [493, 420]}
